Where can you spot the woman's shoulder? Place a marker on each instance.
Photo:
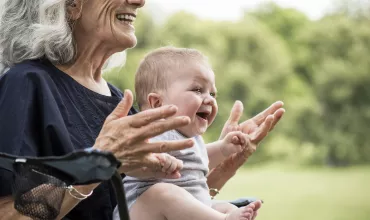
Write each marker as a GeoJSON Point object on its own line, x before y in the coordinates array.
{"type": "Point", "coordinates": [26, 71]}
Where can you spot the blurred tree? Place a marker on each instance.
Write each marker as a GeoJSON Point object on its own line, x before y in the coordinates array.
{"type": "Point", "coordinates": [286, 22]}
{"type": "Point", "coordinates": [318, 68]}
{"type": "Point", "coordinates": [354, 9]}
{"type": "Point", "coordinates": [339, 69]}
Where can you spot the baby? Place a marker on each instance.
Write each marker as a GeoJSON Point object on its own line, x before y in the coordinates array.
{"type": "Point", "coordinates": [183, 77]}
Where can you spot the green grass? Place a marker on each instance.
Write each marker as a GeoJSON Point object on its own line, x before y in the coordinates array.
{"type": "Point", "coordinates": [305, 194]}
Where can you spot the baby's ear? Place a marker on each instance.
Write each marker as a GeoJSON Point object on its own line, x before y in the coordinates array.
{"type": "Point", "coordinates": [155, 100]}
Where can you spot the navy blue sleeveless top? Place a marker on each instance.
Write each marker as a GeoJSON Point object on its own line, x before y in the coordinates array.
{"type": "Point", "coordinates": [45, 112]}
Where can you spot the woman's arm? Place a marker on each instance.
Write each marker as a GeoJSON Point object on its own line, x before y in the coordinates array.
{"type": "Point", "coordinates": [218, 176]}
{"type": "Point", "coordinates": [9, 212]}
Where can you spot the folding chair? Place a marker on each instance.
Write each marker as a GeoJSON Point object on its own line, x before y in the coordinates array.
{"type": "Point", "coordinates": [35, 176]}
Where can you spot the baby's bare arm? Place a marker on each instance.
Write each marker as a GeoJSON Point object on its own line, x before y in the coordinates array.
{"type": "Point", "coordinates": [218, 151]}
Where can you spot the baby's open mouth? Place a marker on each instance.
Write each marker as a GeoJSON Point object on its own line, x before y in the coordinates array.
{"type": "Point", "coordinates": [203, 115]}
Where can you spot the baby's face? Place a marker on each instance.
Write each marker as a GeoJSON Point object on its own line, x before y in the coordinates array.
{"type": "Point", "coordinates": [193, 91]}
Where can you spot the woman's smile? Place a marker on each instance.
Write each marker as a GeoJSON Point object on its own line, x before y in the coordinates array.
{"type": "Point", "coordinates": [127, 19]}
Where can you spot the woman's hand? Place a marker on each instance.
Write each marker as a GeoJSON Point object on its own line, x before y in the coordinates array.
{"type": "Point", "coordinates": [127, 136]}
{"type": "Point", "coordinates": [257, 128]}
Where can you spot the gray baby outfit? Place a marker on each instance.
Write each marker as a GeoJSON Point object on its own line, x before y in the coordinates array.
{"type": "Point", "coordinates": [193, 175]}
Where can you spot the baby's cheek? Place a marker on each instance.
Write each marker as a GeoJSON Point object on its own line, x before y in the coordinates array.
{"type": "Point", "coordinates": [215, 106]}
{"type": "Point", "coordinates": [214, 113]}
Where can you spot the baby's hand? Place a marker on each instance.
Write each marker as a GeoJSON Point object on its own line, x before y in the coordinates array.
{"type": "Point", "coordinates": [234, 142]}
{"type": "Point", "coordinates": [170, 165]}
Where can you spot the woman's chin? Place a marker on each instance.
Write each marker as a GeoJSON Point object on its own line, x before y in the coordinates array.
{"type": "Point", "coordinates": [126, 41]}
{"type": "Point", "coordinates": [131, 42]}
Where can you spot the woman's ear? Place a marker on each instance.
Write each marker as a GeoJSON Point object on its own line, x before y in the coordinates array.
{"type": "Point", "coordinates": [74, 9]}
{"type": "Point", "coordinates": [154, 100]}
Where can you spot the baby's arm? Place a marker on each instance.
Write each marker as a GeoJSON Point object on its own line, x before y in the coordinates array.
{"type": "Point", "coordinates": [170, 168]}
{"type": "Point", "coordinates": [218, 151]}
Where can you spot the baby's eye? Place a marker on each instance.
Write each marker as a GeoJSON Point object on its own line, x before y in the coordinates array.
{"type": "Point", "coordinates": [197, 90]}
{"type": "Point", "coordinates": [213, 94]}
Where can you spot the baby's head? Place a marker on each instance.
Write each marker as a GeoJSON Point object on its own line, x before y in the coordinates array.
{"type": "Point", "coordinates": [182, 77]}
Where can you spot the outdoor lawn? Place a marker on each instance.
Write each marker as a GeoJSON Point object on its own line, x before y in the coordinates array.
{"type": "Point", "coordinates": [305, 194]}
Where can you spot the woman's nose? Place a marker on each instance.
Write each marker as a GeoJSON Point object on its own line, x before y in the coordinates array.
{"type": "Point", "coordinates": [137, 3]}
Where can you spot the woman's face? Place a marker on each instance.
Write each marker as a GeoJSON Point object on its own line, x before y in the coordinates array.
{"type": "Point", "coordinates": [108, 21]}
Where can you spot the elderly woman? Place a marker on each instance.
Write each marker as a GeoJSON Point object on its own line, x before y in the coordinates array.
{"type": "Point", "coordinates": [54, 100]}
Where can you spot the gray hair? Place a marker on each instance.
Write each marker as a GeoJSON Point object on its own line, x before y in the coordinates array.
{"type": "Point", "coordinates": [34, 29]}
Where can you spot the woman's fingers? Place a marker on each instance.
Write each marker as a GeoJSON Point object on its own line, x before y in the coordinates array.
{"type": "Point", "coordinates": [260, 118]}
{"type": "Point", "coordinates": [158, 127]}
{"type": "Point", "coordinates": [122, 108]}
{"type": "Point", "coordinates": [262, 131]}
{"type": "Point", "coordinates": [277, 116]}
{"type": "Point", "coordinates": [236, 112]}
{"type": "Point", "coordinates": [232, 123]}
{"type": "Point", "coordinates": [165, 146]}
{"type": "Point", "coordinates": [148, 116]}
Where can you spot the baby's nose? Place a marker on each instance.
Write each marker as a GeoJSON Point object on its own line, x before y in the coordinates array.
{"type": "Point", "coordinates": [209, 100]}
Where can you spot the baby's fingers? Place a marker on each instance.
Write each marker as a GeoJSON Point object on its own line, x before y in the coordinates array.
{"type": "Point", "coordinates": [235, 140]}
{"type": "Point", "coordinates": [237, 137]}
{"type": "Point", "coordinates": [170, 164]}
{"type": "Point", "coordinates": [176, 166]}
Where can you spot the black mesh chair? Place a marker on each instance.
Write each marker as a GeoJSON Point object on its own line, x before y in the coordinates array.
{"type": "Point", "coordinates": [40, 183]}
